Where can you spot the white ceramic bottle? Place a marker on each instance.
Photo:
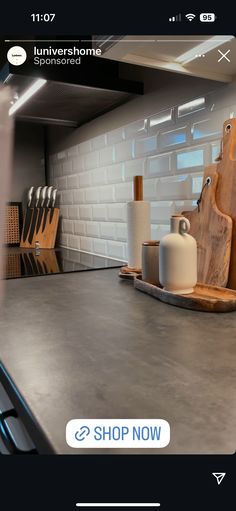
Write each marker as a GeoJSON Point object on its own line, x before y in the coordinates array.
{"type": "Point", "coordinates": [178, 258]}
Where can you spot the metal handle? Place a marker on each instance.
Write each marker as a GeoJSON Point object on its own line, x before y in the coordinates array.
{"type": "Point", "coordinates": [37, 195]}
{"type": "Point", "coordinates": [49, 194]}
{"type": "Point", "coordinates": [43, 195]}
{"type": "Point", "coordinates": [54, 195]}
{"type": "Point", "coordinates": [30, 195]}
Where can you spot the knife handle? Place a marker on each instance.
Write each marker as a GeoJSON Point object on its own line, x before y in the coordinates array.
{"type": "Point", "coordinates": [43, 195]}
{"type": "Point", "coordinates": [30, 195]}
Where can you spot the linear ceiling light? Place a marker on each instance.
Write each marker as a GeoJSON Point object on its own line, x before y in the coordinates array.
{"type": "Point", "coordinates": [203, 48]}
{"type": "Point", "coordinates": [27, 95]}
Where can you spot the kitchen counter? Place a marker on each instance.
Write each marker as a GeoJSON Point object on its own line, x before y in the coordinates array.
{"type": "Point", "coordinates": [87, 345]}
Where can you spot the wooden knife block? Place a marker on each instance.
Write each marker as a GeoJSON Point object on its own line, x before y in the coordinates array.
{"type": "Point", "coordinates": [47, 238]}
{"type": "Point", "coordinates": [214, 228]}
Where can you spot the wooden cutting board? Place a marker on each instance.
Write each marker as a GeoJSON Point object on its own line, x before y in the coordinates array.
{"type": "Point", "coordinates": [212, 230]}
{"type": "Point", "coordinates": [226, 189]}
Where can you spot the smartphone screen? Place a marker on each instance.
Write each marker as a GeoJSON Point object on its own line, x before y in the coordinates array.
{"type": "Point", "coordinates": [117, 184]}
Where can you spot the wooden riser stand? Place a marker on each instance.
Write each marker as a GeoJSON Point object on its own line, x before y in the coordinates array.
{"type": "Point", "coordinates": [47, 237]}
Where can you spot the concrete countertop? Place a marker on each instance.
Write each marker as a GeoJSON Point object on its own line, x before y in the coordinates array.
{"type": "Point", "coordinates": [87, 345]}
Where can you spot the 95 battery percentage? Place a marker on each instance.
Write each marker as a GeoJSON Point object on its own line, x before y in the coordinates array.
{"type": "Point", "coordinates": [207, 16]}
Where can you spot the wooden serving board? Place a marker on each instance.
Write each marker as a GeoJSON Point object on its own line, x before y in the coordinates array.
{"type": "Point", "coordinates": [212, 230]}
{"type": "Point", "coordinates": [226, 188]}
{"type": "Point", "coordinates": [204, 298]}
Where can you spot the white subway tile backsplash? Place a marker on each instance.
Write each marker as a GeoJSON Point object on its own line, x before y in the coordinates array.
{"type": "Point", "coordinates": [150, 189]}
{"type": "Point", "coordinates": [115, 136]}
{"type": "Point", "coordinates": [190, 158]}
{"type": "Point", "coordinates": [117, 212]}
{"type": "Point", "coordinates": [85, 212]}
{"type": "Point", "coordinates": [72, 151]}
{"type": "Point", "coordinates": [159, 165]}
{"type": "Point", "coordinates": [84, 179]}
{"type": "Point", "coordinates": [98, 142]}
{"type": "Point", "coordinates": [134, 168]}
{"type": "Point", "coordinates": [215, 150]}
{"type": "Point", "coordinates": [91, 195]}
{"type": "Point", "coordinates": [73, 212]}
{"type": "Point", "coordinates": [160, 119]}
{"type": "Point", "coordinates": [85, 147]}
{"type": "Point", "coordinates": [67, 167]}
{"type": "Point", "coordinates": [91, 160]}
{"type": "Point", "coordinates": [64, 212]}
{"type": "Point", "coordinates": [57, 170]}
{"type": "Point", "coordinates": [107, 230]}
{"type": "Point", "coordinates": [175, 187]}
{"type": "Point", "coordinates": [136, 128]}
{"type": "Point", "coordinates": [61, 155]}
{"type": "Point", "coordinates": [161, 211]}
{"type": "Point", "coordinates": [79, 196]}
{"type": "Point", "coordinates": [207, 128]}
{"type": "Point", "coordinates": [72, 182]}
{"type": "Point", "coordinates": [191, 106]}
{"type": "Point", "coordinates": [106, 193]}
{"type": "Point", "coordinates": [124, 150]}
{"type": "Point", "coordinates": [74, 242]}
{"type": "Point", "coordinates": [196, 184]}
{"type": "Point", "coordinates": [121, 232]}
{"type": "Point", "coordinates": [80, 227]}
{"type": "Point", "coordinates": [173, 137]}
{"type": "Point", "coordinates": [78, 164]}
{"type": "Point", "coordinates": [115, 249]}
{"type": "Point", "coordinates": [115, 173]}
{"type": "Point", "coordinates": [124, 192]}
{"type": "Point", "coordinates": [145, 146]}
{"type": "Point", "coordinates": [155, 232]}
{"type": "Point", "coordinates": [67, 226]}
{"type": "Point", "coordinates": [107, 156]}
{"type": "Point", "coordinates": [66, 198]}
{"type": "Point", "coordinates": [62, 183]}
{"type": "Point", "coordinates": [86, 244]}
{"type": "Point", "coordinates": [99, 212]}
{"type": "Point", "coordinates": [99, 176]}
{"type": "Point", "coordinates": [92, 229]}
{"type": "Point", "coordinates": [95, 178]}
{"type": "Point", "coordinates": [184, 205]}
{"type": "Point", "coordinates": [64, 239]}
{"type": "Point", "coordinates": [100, 247]}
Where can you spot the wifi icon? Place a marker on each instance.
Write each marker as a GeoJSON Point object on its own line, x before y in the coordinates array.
{"type": "Point", "coordinates": [190, 17]}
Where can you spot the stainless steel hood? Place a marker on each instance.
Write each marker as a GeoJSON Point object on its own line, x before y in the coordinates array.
{"type": "Point", "coordinates": [71, 98]}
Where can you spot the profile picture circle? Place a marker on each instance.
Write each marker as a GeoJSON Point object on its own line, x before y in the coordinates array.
{"type": "Point", "coordinates": [16, 55]}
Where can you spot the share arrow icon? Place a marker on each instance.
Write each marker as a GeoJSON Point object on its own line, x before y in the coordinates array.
{"type": "Point", "coordinates": [219, 476]}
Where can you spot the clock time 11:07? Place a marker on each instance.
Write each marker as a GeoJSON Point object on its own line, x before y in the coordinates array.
{"type": "Point", "coordinates": [46, 17]}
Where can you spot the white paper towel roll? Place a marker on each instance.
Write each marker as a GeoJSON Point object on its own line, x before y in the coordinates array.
{"type": "Point", "coordinates": [139, 230]}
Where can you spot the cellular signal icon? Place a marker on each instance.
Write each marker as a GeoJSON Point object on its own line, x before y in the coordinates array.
{"type": "Point", "coordinates": [175, 18]}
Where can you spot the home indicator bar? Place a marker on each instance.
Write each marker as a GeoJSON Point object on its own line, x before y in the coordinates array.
{"type": "Point", "coordinates": [118, 504]}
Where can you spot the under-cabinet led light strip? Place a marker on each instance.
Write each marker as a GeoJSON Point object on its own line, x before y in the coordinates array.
{"type": "Point", "coordinates": [35, 87]}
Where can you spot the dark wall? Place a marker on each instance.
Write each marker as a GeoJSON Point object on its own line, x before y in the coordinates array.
{"type": "Point", "coordinates": [28, 159]}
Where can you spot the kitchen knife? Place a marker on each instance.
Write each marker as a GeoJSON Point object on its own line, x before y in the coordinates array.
{"type": "Point", "coordinates": [35, 214]}
{"type": "Point", "coordinates": [29, 213]}
{"type": "Point", "coordinates": [54, 196]}
{"type": "Point", "coordinates": [41, 209]}
{"type": "Point", "coordinates": [49, 195]}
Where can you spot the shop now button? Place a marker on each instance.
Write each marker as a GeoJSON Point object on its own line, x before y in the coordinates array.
{"type": "Point", "coordinates": [118, 433]}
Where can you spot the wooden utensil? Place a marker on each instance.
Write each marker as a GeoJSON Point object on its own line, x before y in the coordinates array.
{"type": "Point", "coordinates": [226, 188]}
{"type": "Point", "coordinates": [212, 230]}
{"type": "Point", "coordinates": [204, 298]}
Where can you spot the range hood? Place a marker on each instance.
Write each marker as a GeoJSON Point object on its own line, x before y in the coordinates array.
{"type": "Point", "coordinates": [70, 97]}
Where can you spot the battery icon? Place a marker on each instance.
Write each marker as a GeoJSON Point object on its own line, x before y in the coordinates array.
{"type": "Point", "coordinates": [207, 16]}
